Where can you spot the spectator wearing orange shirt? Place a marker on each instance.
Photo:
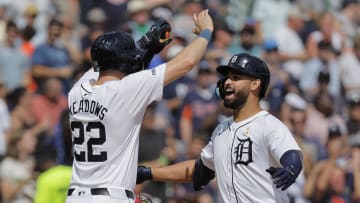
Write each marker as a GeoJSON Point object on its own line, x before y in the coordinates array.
{"type": "Point", "coordinates": [27, 47]}
{"type": "Point", "coordinates": [49, 103]}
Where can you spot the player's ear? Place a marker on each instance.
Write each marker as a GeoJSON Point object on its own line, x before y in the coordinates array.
{"type": "Point", "coordinates": [255, 84]}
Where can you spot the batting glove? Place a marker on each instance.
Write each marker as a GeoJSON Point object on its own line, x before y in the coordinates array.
{"type": "Point", "coordinates": [283, 177]}
{"type": "Point", "coordinates": [143, 174]}
{"type": "Point", "coordinates": [157, 37]}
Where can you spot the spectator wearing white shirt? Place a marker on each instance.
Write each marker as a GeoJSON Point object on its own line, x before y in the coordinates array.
{"type": "Point", "coordinates": [326, 62]}
{"type": "Point", "coordinates": [291, 47]}
{"type": "Point", "coordinates": [4, 122]}
{"type": "Point", "coordinates": [329, 31]}
{"type": "Point", "coordinates": [349, 62]}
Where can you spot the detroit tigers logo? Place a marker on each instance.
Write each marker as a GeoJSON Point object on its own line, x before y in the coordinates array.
{"type": "Point", "coordinates": [243, 151]}
{"type": "Point", "coordinates": [233, 59]}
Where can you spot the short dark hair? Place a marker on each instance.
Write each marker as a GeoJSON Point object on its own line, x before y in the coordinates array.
{"type": "Point", "coordinates": [325, 45]}
{"type": "Point", "coordinates": [28, 33]}
{"type": "Point", "coordinates": [55, 22]}
{"type": "Point", "coordinates": [10, 24]}
{"type": "Point", "coordinates": [334, 131]}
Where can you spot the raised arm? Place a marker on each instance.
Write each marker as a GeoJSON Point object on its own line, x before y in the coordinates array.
{"type": "Point", "coordinates": [186, 59]}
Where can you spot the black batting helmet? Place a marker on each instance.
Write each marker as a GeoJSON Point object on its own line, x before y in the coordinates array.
{"type": "Point", "coordinates": [116, 50]}
{"type": "Point", "coordinates": [249, 65]}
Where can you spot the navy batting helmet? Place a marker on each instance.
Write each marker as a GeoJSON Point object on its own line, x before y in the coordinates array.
{"type": "Point", "coordinates": [116, 50]}
{"type": "Point", "coordinates": [249, 65]}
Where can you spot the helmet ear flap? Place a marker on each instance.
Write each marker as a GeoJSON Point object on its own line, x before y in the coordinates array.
{"type": "Point", "coordinates": [136, 60]}
{"type": "Point", "coordinates": [220, 88]}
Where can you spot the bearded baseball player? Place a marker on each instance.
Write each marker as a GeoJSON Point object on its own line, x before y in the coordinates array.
{"type": "Point", "coordinates": [108, 103]}
{"type": "Point", "coordinates": [253, 154]}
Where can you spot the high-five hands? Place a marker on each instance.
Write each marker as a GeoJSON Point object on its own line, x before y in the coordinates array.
{"type": "Point", "coordinates": [158, 36]}
{"type": "Point", "coordinates": [202, 21]}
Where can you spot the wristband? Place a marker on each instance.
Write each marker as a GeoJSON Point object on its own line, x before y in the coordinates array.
{"type": "Point", "coordinates": [206, 34]}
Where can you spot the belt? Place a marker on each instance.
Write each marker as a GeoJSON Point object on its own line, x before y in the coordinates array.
{"type": "Point", "coordinates": [102, 191]}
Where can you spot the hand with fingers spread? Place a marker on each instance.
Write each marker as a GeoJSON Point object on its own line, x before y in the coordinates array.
{"type": "Point", "coordinates": [284, 176]}
{"type": "Point", "coordinates": [202, 22]}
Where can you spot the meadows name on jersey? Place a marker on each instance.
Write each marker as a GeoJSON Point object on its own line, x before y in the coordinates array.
{"type": "Point", "coordinates": [87, 106]}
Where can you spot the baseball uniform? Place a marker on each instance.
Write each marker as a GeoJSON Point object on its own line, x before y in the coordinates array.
{"type": "Point", "coordinates": [105, 121]}
{"type": "Point", "coordinates": [240, 153]}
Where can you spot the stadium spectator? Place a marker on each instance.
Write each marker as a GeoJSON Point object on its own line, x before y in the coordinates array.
{"type": "Point", "coordinates": [5, 122]}
{"type": "Point", "coordinates": [175, 92]}
{"type": "Point", "coordinates": [200, 105]}
{"type": "Point", "coordinates": [49, 104]}
{"type": "Point", "coordinates": [27, 47]}
{"type": "Point", "coordinates": [281, 81]}
{"type": "Point", "coordinates": [318, 179]}
{"type": "Point", "coordinates": [290, 45]}
{"type": "Point", "coordinates": [321, 115]}
{"type": "Point", "coordinates": [325, 61]}
{"type": "Point", "coordinates": [139, 18]}
{"type": "Point", "coordinates": [349, 62]}
{"type": "Point", "coordinates": [328, 32]}
{"type": "Point", "coordinates": [312, 150]}
{"type": "Point", "coordinates": [272, 14]}
{"type": "Point", "coordinates": [22, 117]}
{"type": "Point", "coordinates": [218, 49]}
{"type": "Point", "coordinates": [347, 17]}
{"type": "Point", "coordinates": [182, 20]}
{"type": "Point", "coordinates": [353, 120]}
{"type": "Point", "coordinates": [52, 59]}
{"type": "Point", "coordinates": [248, 41]}
{"type": "Point", "coordinates": [14, 65]}
{"type": "Point", "coordinates": [17, 169]}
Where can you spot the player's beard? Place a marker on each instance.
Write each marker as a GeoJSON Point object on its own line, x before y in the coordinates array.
{"type": "Point", "coordinates": [239, 101]}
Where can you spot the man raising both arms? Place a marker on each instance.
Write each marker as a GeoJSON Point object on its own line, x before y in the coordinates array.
{"type": "Point", "coordinates": [106, 108]}
{"type": "Point", "coordinates": [253, 154]}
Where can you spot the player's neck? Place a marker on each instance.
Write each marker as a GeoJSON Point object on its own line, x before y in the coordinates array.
{"type": "Point", "coordinates": [109, 75]}
{"type": "Point", "coordinates": [249, 109]}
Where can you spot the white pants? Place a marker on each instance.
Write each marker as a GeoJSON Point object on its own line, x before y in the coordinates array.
{"type": "Point", "coordinates": [84, 195]}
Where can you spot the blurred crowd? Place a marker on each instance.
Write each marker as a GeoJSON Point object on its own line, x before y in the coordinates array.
{"type": "Point", "coordinates": [312, 49]}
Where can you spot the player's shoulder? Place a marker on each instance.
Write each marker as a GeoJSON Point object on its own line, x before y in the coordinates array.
{"type": "Point", "coordinates": [223, 125]}
{"type": "Point", "coordinates": [73, 90]}
{"type": "Point", "coordinates": [270, 120]}
{"type": "Point", "coordinates": [144, 75]}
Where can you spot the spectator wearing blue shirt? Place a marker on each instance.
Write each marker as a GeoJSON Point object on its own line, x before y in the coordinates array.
{"type": "Point", "coordinates": [14, 65]}
{"type": "Point", "coordinates": [200, 106]}
{"type": "Point", "coordinates": [52, 59]}
{"type": "Point", "coordinates": [248, 41]}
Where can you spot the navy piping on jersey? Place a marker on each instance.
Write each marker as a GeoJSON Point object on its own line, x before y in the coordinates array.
{"type": "Point", "coordinates": [85, 89]}
{"type": "Point", "coordinates": [232, 144]}
{"type": "Point", "coordinates": [232, 164]}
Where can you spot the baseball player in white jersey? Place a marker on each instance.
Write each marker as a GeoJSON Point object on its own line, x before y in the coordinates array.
{"type": "Point", "coordinates": [108, 103]}
{"type": "Point", "coordinates": [253, 154]}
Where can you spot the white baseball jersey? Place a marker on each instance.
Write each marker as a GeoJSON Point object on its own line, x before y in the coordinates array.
{"type": "Point", "coordinates": [240, 153]}
{"type": "Point", "coordinates": [105, 121]}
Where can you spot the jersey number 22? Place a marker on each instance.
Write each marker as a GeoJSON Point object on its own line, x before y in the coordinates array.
{"type": "Point", "coordinates": [91, 157]}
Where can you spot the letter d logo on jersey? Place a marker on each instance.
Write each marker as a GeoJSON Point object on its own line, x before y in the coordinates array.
{"type": "Point", "coordinates": [243, 151]}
